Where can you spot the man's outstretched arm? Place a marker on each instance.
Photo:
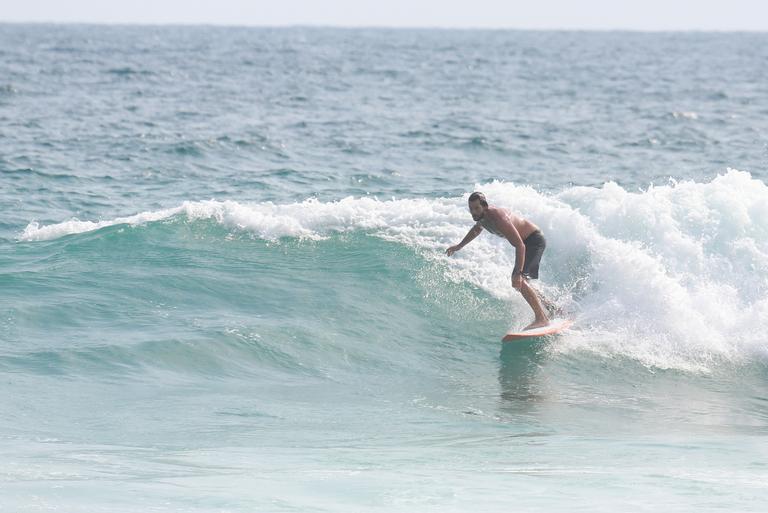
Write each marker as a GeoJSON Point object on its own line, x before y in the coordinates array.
{"type": "Point", "coordinates": [471, 234]}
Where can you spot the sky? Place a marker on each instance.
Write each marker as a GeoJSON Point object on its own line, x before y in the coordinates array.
{"type": "Point", "coordinates": [728, 15]}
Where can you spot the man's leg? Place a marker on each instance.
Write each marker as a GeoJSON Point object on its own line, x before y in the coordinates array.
{"type": "Point", "coordinates": [533, 300]}
{"type": "Point", "coordinates": [535, 244]}
{"type": "Point", "coordinates": [551, 308]}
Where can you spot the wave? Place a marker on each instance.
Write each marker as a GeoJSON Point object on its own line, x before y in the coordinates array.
{"type": "Point", "coordinates": [675, 276]}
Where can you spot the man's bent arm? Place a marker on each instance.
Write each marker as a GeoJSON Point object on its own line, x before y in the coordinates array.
{"type": "Point", "coordinates": [513, 236]}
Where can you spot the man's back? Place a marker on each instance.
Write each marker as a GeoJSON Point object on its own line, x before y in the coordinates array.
{"type": "Point", "coordinates": [492, 216]}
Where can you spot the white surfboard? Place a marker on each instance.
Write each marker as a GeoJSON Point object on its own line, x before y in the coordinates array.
{"type": "Point", "coordinates": [555, 326]}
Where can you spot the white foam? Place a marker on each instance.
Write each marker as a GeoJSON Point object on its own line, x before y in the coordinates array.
{"type": "Point", "coordinates": [674, 276]}
{"type": "Point", "coordinates": [34, 232]}
{"type": "Point", "coordinates": [685, 115]}
{"type": "Point", "coordinates": [308, 219]}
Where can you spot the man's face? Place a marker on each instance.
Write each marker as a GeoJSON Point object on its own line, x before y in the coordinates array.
{"type": "Point", "coordinates": [476, 209]}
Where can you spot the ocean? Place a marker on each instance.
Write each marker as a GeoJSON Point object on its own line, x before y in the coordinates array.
{"type": "Point", "coordinates": [224, 288]}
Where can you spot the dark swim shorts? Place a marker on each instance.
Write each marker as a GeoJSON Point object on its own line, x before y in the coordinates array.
{"type": "Point", "coordinates": [534, 248]}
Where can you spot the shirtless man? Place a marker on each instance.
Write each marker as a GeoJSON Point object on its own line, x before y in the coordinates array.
{"type": "Point", "coordinates": [527, 239]}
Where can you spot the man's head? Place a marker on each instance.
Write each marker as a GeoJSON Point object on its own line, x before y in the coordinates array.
{"type": "Point", "coordinates": [477, 205]}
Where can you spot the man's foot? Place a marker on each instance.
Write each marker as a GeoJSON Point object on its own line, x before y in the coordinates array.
{"type": "Point", "coordinates": [537, 324]}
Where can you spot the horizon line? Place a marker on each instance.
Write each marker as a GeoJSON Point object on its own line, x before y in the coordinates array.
{"type": "Point", "coordinates": [380, 27]}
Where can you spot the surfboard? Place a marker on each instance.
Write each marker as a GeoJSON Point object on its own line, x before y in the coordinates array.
{"type": "Point", "coordinates": [555, 326]}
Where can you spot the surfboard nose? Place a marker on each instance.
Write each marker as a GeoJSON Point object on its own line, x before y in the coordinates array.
{"type": "Point", "coordinates": [554, 327]}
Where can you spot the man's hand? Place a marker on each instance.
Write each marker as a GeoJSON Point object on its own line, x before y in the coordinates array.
{"type": "Point", "coordinates": [517, 281]}
{"type": "Point", "coordinates": [453, 249]}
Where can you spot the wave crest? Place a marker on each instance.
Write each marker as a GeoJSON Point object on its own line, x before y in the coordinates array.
{"type": "Point", "coordinates": [675, 276]}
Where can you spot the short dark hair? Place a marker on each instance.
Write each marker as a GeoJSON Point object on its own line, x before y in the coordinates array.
{"type": "Point", "coordinates": [478, 196]}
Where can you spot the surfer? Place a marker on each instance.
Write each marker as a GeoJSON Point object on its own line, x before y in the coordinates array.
{"type": "Point", "coordinates": [529, 245]}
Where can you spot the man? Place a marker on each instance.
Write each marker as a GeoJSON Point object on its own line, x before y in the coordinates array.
{"type": "Point", "coordinates": [527, 239]}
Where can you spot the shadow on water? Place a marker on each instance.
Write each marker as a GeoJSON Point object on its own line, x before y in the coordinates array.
{"type": "Point", "coordinates": [593, 394]}
{"type": "Point", "coordinates": [520, 371]}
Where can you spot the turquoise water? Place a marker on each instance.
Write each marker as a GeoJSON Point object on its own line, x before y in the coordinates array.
{"type": "Point", "coordinates": [224, 286]}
